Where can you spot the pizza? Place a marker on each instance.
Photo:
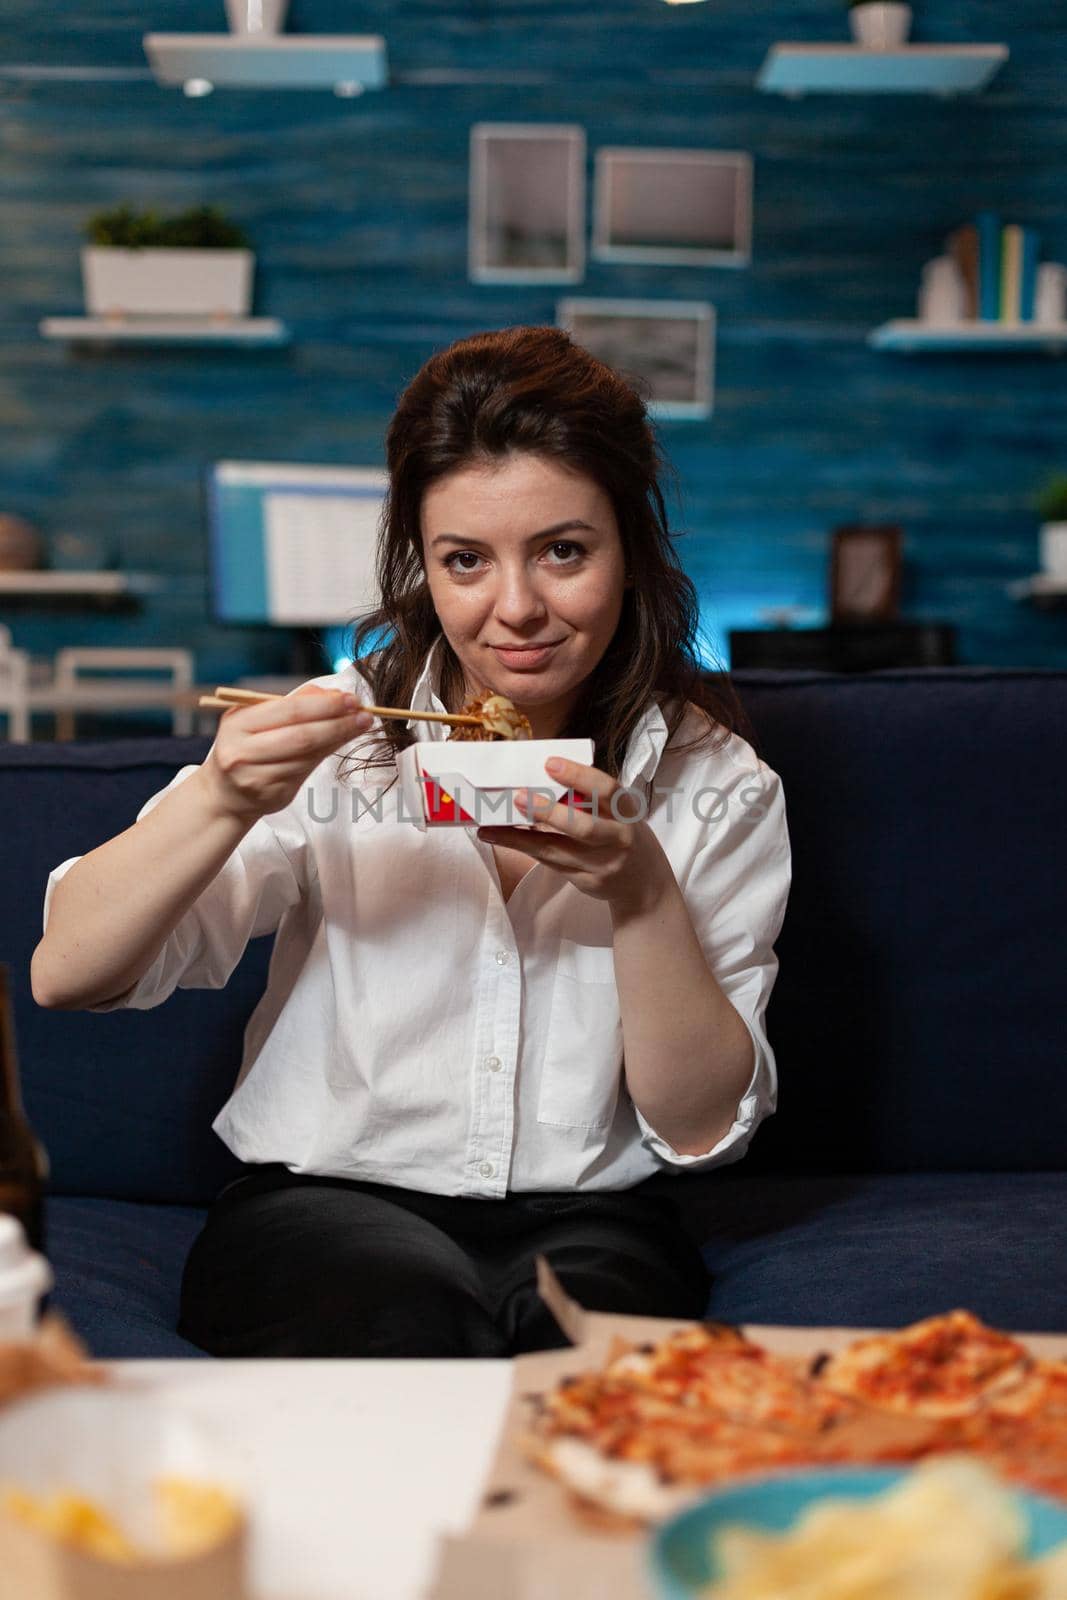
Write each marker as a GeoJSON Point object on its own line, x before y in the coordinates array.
{"type": "Point", "coordinates": [946, 1366]}
{"type": "Point", "coordinates": [661, 1422]}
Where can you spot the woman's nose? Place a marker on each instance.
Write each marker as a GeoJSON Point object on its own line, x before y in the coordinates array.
{"type": "Point", "coordinates": [517, 598]}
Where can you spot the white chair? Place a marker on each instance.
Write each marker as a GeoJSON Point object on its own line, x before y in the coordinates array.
{"type": "Point", "coordinates": [14, 688]}
{"type": "Point", "coordinates": [75, 660]}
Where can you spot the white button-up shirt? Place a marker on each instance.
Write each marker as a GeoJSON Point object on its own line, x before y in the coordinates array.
{"type": "Point", "coordinates": [417, 1030]}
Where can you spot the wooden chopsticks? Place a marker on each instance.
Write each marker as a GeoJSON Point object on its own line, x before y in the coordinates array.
{"type": "Point", "coordinates": [225, 697]}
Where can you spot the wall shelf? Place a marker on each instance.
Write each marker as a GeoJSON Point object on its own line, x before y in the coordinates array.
{"type": "Point", "coordinates": [912, 336]}
{"type": "Point", "coordinates": [59, 590]}
{"type": "Point", "coordinates": [945, 69]}
{"type": "Point", "coordinates": [1044, 589]}
{"type": "Point", "coordinates": [250, 331]}
{"type": "Point", "coordinates": [346, 63]}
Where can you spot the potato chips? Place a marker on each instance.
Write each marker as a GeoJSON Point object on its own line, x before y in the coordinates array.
{"type": "Point", "coordinates": [948, 1530]}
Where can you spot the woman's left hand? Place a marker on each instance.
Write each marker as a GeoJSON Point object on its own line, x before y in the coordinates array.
{"type": "Point", "coordinates": [610, 854]}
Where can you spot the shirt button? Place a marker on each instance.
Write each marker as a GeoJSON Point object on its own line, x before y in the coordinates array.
{"type": "Point", "coordinates": [487, 1169]}
{"type": "Point", "coordinates": [493, 1063]}
{"type": "Point", "coordinates": [502, 958]}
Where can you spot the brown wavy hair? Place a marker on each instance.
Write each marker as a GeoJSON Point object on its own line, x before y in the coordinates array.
{"type": "Point", "coordinates": [533, 389]}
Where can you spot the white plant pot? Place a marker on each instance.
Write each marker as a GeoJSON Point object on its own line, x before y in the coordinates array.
{"type": "Point", "coordinates": [880, 24]}
{"type": "Point", "coordinates": [1053, 547]}
{"type": "Point", "coordinates": [180, 283]}
{"type": "Point", "coordinates": [256, 16]}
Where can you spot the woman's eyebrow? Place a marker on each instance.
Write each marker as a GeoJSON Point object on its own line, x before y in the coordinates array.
{"type": "Point", "coordinates": [575, 523]}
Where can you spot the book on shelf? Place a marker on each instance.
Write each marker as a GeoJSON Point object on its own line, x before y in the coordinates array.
{"type": "Point", "coordinates": [962, 246]}
{"type": "Point", "coordinates": [989, 265]}
{"type": "Point", "coordinates": [998, 265]}
{"type": "Point", "coordinates": [1031, 251]}
{"type": "Point", "coordinates": [1011, 269]}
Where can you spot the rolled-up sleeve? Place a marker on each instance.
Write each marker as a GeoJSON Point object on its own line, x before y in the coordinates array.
{"type": "Point", "coordinates": [736, 892]}
{"type": "Point", "coordinates": [264, 876]}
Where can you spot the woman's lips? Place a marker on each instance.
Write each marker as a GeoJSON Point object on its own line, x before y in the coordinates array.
{"type": "Point", "coordinates": [523, 658]}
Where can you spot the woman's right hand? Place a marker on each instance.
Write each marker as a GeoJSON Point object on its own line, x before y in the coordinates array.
{"type": "Point", "coordinates": [263, 752]}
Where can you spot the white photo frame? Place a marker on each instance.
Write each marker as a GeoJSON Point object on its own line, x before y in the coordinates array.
{"type": "Point", "coordinates": [675, 207]}
{"type": "Point", "coordinates": [667, 345]}
{"type": "Point", "coordinates": [527, 203]}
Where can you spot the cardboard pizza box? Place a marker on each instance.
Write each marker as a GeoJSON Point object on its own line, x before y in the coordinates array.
{"type": "Point", "coordinates": [466, 784]}
{"type": "Point", "coordinates": [526, 1542]}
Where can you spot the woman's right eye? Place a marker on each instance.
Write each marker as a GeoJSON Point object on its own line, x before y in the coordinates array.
{"type": "Point", "coordinates": [457, 556]}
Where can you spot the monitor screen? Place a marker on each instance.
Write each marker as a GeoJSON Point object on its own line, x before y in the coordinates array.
{"type": "Point", "coordinates": [293, 545]}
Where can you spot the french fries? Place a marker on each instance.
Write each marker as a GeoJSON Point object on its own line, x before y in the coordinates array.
{"type": "Point", "coordinates": [193, 1517]}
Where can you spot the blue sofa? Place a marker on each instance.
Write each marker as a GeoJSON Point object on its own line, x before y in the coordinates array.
{"type": "Point", "coordinates": [919, 1156]}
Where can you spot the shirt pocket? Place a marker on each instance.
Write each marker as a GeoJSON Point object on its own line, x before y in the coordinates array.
{"type": "Point", "coordinates": [583, 1051]}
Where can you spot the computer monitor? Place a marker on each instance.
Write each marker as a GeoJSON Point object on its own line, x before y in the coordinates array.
{"type": "Point", "coordinates": [292, 545]}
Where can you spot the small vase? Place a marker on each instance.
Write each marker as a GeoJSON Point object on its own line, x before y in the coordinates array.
{"type": "Point", "coordinates": [256, 16]}
{"type": "Point", "coordinates": [880, 24]}
{"type": "Point", "coordinates": [1053, 546]}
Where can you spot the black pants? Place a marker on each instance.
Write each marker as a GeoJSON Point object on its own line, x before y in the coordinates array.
{"type": "Point", "coordinates": [305, 1266]}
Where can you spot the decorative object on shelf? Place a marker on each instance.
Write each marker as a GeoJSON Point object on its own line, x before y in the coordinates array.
{"type": "Point", "coordinates": [194, 264]}
{"type": "Point", "coordinates": [21, 549]}
{"type": "Point", "coordinates": [943, 292]}
{"type": "Point", "coordinates": [1050, 297]}
{"type": "Point", "coordinates": [667, 347]}
{"type": "Point", "coordinates": [865, 573]}
{"type": "Point", "coordinates": [879, 24]}
{"type": "Point", "coordinates": [80, 552]}
{"type": "Point", "coordinates": [942, 69]}
{"type": "Point", "coordinates": [256, 16]}
{"type": "Point", "coordinates": [527, 203]}
{"type": "Point", "coordinates": [675, 207]}
{"type": "Point", "coordinates": [1052, 509]}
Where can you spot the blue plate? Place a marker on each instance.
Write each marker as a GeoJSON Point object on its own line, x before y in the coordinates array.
{"type": "Point", "coordinates": [680, 1555]}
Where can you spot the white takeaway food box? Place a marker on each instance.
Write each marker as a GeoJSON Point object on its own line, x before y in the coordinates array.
{"type": "Point", "coordinates": [469, 784]}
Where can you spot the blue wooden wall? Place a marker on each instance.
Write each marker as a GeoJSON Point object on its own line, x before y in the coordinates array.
{"type": "Point", "coordinates": [358, 212]}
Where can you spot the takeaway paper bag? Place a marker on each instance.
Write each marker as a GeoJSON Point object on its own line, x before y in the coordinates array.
{"type": "Point", "coordinates": [108, 1447]}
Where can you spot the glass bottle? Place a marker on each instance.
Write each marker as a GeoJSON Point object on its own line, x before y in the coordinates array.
{"type": "Point", "coordinates": [23, 1163]}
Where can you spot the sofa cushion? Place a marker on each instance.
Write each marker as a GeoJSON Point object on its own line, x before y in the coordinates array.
{"type": "Point", "coordinates": [124, 1100]}
{"type": "Point", "coordinates": [118, 1268]}
{"type": "Point", "coordinates": [918, 1015]}
{"type": "Point", "coordinates": [883, 1250]}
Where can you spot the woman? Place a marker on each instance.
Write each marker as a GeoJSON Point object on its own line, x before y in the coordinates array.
{"type": "Point", "coordinates": [474, 1046]}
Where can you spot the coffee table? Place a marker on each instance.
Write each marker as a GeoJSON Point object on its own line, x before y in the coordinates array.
{"type": "Point", "coordinates": [351, 1468]}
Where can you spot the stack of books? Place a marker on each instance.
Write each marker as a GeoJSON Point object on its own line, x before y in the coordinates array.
{"type": "Point", "coordinates": [998, 263]}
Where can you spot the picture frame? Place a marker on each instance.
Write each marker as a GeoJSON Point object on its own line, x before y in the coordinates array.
{"type": "Point", "coordinates": [666, 346]}
{"type": "Point", "coordinates": [866, 565]}
{"type": "Point", "coordinates": [527, 203]}
{"type": "Point", "coordinates": [673, 207]}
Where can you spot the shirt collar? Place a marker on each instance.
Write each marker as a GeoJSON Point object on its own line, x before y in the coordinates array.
{"type": "Point", "coordinates": [643, 751]}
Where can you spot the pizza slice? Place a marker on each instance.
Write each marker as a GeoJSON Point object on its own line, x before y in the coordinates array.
{"type": "Point", "coordinates": [945, 1366]}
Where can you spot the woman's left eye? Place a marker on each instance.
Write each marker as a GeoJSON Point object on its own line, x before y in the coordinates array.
{"type": "Point", "coordinates": [572, 550]}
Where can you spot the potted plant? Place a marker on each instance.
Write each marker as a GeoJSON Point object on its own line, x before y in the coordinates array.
{"type": "Point", "coordinates": [194, 264]}
{"type": "Point", "coordinates": [1052, 509]}
{"type": "Point", "coordinates": [879, 24]}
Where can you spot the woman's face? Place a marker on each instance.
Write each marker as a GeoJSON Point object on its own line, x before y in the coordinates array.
{"type": "Point", "coordinates": [526, 571]}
